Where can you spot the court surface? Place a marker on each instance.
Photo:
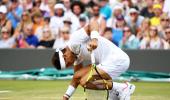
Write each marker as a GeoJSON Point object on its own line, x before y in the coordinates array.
{"type": "Point", "coordinates": [53, 90]}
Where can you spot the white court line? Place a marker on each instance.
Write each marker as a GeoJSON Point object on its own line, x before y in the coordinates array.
{"type": "Point", "coordinates": [5, 91]}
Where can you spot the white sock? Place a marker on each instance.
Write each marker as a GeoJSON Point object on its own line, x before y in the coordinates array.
{"type": "Point", "coordinates": [118, 86]}
{"type": "Point", "coordinates": [70, 91]}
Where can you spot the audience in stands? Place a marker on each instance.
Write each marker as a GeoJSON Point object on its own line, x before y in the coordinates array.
{"type": "Point", "coordinates": [129, 24]}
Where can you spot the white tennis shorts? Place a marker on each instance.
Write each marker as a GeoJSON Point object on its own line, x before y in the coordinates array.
{"type": "Point", "coordinates": [115, 69]}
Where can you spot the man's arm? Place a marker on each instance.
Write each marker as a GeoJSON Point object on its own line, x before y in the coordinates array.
{"type": "Point", "coordinates": [78, 67]}
{"type": "Point", "coordinates": [82, 35]}
{"type": "Point", "coordinates": [93, 32]}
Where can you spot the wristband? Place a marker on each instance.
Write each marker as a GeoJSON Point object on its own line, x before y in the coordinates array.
{"type": "Point", "coordinates": [94, 34]}
{"type": "Point", "coordinates": [67, 96]}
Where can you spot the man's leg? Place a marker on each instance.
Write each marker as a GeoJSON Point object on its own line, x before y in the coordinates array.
{"type": "Point", "coordinates": [123, 90]}
{"type": "Point", "coordinates": [97, 82]}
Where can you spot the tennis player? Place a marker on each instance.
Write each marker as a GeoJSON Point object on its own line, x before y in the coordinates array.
{"type": "Point", "coordinates": [111, 62]}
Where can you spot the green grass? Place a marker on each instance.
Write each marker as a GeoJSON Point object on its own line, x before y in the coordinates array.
{"type": "Point", "coordinates": [53, 90]}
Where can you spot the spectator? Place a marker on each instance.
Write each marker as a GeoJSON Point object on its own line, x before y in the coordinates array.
{"type": "Point", "coordinates": [134, 20]}
{"type": "Point", "coordinates": [105, 10]}
{"type": "Point", "coordinates": [67, 4]}
{"type": "Point", "coordinates": [6, 40]}
{"type": "Point", "coordinates": [39, 31]}
{"type": "Point", "coordinates": [15, 13]}
{"type": "Point", "coordinates": [144, 29]}
{"type": "Point", "coordinates": [36, 7]}
{"type": "Point", "coordinates": [47, 6]}
{"type": "Point", "coordinates": [78, 9]}
{"type": "Point", "coordinates": [155, 21]}
{"type": "Point", "coordinates": [47, 40]}
{"type": "Point", "coordinates": [153, 41]}
{"type": "Point", "coordinates": [129, 40]}
{"type": "Point", "coordinates": [63, 40]}
{"type": "Point", "coordinates": [118, 30]}
{"type": "Point", "coordinates": [27, 5]}
{"type": "Point", "coordinates": [117, 11]}
{"type": "Point", "coordinates": [27, 39]}
{"type": "Point", "coordinates": [88, 7]}
{"type": "Point", "coordinates": [83, 21]}
{"type": "Point", "coordinates": [108, 33]}
{"type": "Point", "coordinates": [148, 10]}
{"type": "Point", "coordinates": [167, 33]}
{"type": "Point", "coordinates": [4, 22]}
{"type": "Point", "coordinates": [38, 21]}
{"type": "Point", "coordinates": [25, 20]}
{"type": "Point", "coordinates": [56, 21]}
{"type": "Point", "coordinates": [97, 17]}
{"type": "Point", "coordinates": [44, 6]}
{"type": "Point", "coordinates": [164, 23]}
{"type": "Point", "coordinates": [127, 5]}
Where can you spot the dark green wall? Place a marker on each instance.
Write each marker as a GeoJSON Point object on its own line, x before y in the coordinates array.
{"type": "Point", "coordinates": [21, 59]}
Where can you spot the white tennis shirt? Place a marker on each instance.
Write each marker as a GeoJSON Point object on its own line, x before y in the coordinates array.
{"type": "Point", "coordinates": [106, 54]}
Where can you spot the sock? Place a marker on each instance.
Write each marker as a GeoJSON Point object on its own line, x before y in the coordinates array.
{"type": "Point", "coordinates": [118, 86]}
{"type": "Point", "coordinates": [70, 91]}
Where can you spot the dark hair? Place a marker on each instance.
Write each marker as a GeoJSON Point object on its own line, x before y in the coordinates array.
{"type": "Point", "coordinates": [108, 29]}
{"type": "Point", "coordinates": [61, 14]}
{"type": "Point", "coordinates": [14, 0]}
{"type": "Point", "coordinates": [96, 5]}
{"type": "Point", "coordinates": [47, 19]}
{"type": "Point", "coordinates": [56, 60]}
{"type": "Point", "coordinates": [78, 3]}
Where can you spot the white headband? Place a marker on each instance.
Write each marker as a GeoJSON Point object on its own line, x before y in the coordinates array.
{"type": "Point", "coordinates": [62, 61]}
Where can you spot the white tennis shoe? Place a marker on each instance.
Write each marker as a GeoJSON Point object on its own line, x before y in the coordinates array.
{"type": "Point", "coordinates": [125, 93]}
{"type": "Point", "coordinates": [113, 95]}
{"type": "Point", "coordinates": [122, 93]}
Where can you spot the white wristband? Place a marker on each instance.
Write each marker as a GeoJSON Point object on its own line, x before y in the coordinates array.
{"type": "Point", "coordinates": [94, 34]}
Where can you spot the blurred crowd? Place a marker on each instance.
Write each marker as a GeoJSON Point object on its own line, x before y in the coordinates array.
{"type": "Point", "coordinates": [129, 24]}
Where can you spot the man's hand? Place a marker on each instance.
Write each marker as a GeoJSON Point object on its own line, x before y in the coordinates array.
{"type": "Point", "coordinates": [92, 44]}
